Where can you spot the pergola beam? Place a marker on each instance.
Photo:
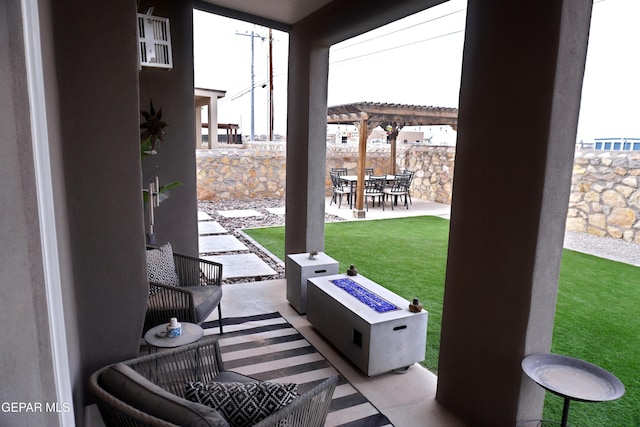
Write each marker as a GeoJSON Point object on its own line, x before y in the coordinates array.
{"type": "Point", "coordinates": [407, 115]}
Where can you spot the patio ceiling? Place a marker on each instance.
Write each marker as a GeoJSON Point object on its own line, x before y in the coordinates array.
{"type": "Point", "coordinates": [376, 113]}
{"type": "Point", "coordinates": [330, 21]}
{"type": "Point", "coordinates": [282, 13]}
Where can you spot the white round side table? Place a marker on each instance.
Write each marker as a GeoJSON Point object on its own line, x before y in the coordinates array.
{"type": "Point", "coordinates": [190, 334]}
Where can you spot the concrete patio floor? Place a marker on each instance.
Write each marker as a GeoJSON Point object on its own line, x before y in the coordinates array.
{"type": "Point", "coordinates": [407, 399]}
{"type": "Point", "coordinates": [417, 208]}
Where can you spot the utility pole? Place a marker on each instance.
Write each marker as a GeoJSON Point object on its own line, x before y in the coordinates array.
{"type": "Point", "coordinates": [253, 35]}
{"type": "Point", "coordinates": [270, 86]}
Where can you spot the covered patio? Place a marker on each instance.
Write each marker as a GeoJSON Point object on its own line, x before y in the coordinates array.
{"type": "Point", "coordinates": [74, 229]}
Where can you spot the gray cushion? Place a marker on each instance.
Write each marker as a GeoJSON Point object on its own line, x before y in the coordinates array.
{"type": "Point", "coordinates": [127, 385]}
{"type": "Point", "coordinates": [205, 299]}
{"type": "Point", "coordinates": [232, 377]}
{"type": "Point", "coordinates": [243, 404]}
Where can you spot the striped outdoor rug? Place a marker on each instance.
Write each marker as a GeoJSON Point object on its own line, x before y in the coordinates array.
{"type": "Point", "coordinates": [267, 347]}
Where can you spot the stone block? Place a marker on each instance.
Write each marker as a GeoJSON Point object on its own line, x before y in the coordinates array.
{"type": "Point", "coordinates": [622, 217]}
{"type": "Point", "coordinates": [626, 191]}
{"type": "Point", "coordinates": [598, 220]}
{"type": "Point", "coordinates": [576, 224]}
{"type": "Point", "coordinates": [620, 171]}
{"type": "Point", "coordinates": [596, 231]}
{"type": "Point", "coordinates": [613, 199]}
{"type": "Point", "coordinates": [616, 233]}
{"type": "Point", "coordinates": [591, 197]}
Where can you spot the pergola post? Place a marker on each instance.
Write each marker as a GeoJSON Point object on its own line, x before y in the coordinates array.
{"type": "Point", "coordinates": [393, 138]}
{"type": "Point", "coordinates": [363, 133]}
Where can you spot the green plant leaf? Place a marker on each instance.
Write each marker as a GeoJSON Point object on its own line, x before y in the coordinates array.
{"type": "Point", "coordinates": [145, 149]}
{"type": "Point", "coordinates": [163, 193]}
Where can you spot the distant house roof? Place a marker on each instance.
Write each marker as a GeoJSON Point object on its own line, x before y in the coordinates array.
{"type": "Point", "coordinates": [377, 113]}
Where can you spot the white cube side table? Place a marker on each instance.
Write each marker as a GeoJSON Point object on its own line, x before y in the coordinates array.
{"type": "Point", "coordinates": [299, 269]}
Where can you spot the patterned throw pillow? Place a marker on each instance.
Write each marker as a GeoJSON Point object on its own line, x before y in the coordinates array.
{"type": "Point", "coordinates": [160, 266]}
{"type": "Point", "coordinates": [242, 404]}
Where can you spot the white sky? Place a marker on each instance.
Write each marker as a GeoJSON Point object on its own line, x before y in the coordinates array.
{"type": "Point", "coordinates": [383, 66]}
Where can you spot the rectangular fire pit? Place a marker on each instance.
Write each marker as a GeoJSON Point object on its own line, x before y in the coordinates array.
{"type": "Point", "coordinates": [369, 324]}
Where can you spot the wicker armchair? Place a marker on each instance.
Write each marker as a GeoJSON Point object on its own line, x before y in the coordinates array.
{"type": "Point", "coordinates": [150, 391]}
{"type": "Point", "coordinates": [191, 293]}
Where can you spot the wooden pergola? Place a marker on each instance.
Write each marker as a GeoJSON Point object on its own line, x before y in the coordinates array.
{"type": "Point", "coordinates": [366, 116]}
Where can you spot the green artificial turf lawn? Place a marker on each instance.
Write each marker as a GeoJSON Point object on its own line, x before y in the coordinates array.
{"type": "Point", "coordinates": [597, 315]}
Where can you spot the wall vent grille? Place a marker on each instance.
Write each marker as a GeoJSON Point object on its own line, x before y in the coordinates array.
{"type": "Point", "coordinates": [154, 39]}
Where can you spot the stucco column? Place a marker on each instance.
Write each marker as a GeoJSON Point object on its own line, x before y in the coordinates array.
{"type": "Point", "coordinates": [306, 143]}
{"type": "Point", "coordinates": [525, 62]}
{"type": "Point", "coordinates": [198, 114]}
{"type": "Point", "coordinates": [213, 121]}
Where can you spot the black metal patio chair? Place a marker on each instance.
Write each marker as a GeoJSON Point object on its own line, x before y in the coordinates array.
{"type": "Point", "coordinates": [373, 187]}
{"type": "Point", "coordinates": [339, 188]}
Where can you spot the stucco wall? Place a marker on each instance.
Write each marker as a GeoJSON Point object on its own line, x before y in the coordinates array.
{"type": "Point", "coordinates": [26, 360]}
{"type": "Point", "coordinates": [172, 91]}
{"type": "Point", "coordinates": [98, 184]}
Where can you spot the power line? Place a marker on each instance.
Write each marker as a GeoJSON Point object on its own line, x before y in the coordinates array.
{"type": "Point", "coordinates": [401, 29]}
{"type": "Point", "coordinates": [247, 89]}
{"type": "Point", "coordinates": [396, 47]}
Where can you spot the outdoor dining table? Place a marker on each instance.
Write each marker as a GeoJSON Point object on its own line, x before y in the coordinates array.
{"type": "Point", "coordinates": [353, 183]}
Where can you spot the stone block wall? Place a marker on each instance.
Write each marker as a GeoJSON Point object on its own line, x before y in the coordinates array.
{"type": "Point", "coordinates": [257, 169]}
{"type": "Point", "coordinates": [605, 195]}
{"type": "Point", "coordinates": [433, 168]}
{"type": "Point", "coordinates": [604, 201]}
{"type": "Point", "coordinates": [232, 173]}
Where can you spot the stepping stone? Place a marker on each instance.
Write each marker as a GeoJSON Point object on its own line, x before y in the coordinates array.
{"type": "Point", "coordinates": [210, 227]}
{"type": "Point", "coordinates": [239, 213]}
{"type": "Point", "coordinates": [217, 244]}
{"type": "Point", "coordinates": [203, 216]}
{"type": "Point", "coordinates": [277, 211]}
{"type": "Point", "coordinates": [242, 265]}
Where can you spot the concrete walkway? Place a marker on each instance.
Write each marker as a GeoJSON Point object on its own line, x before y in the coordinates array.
{"type": "Point", "coordinates": [215, 243]}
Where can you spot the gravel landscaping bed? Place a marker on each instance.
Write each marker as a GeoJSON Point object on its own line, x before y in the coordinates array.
{"type": "Point", "coordinates": [234, 226]}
